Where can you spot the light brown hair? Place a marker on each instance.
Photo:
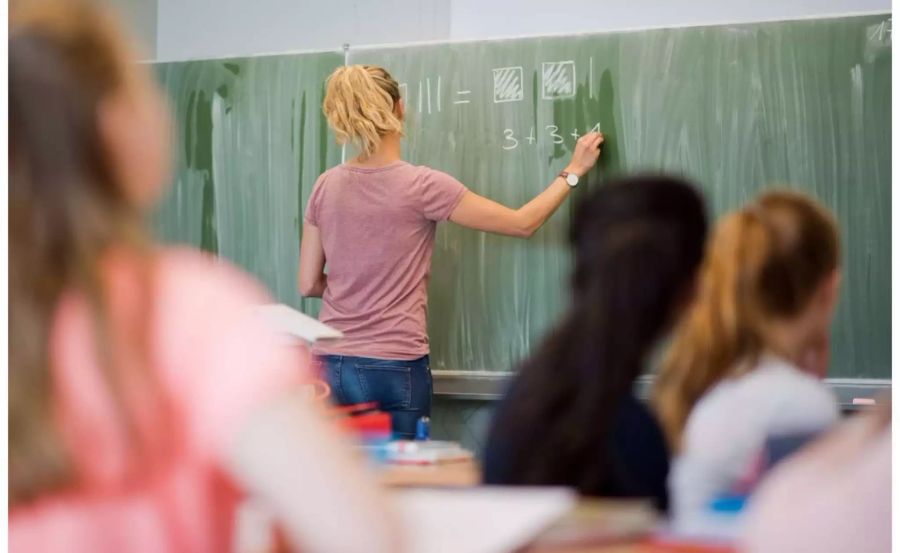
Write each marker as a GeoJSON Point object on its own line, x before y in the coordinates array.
{"type": "Point", "coordinates": [360, 105]}
{"type": "Point", "coordinates": [67, 212]}
{"type": "Point", "coordinates": [764, 263]}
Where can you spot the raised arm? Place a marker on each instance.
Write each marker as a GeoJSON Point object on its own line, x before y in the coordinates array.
{"type": "Point", "coordinates": [311, 277]}
{"type": "Point", "coordinates": [480, 213]}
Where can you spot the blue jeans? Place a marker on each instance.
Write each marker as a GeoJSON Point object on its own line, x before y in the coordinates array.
{"type": "Point", "coordinates": [401, 388]}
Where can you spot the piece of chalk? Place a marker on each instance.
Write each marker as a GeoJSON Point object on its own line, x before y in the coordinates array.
{"type": "Point", "coordinates": [863, 401]}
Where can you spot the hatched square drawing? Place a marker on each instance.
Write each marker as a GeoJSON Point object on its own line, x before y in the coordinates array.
{"type": "Point", "coordinates": [557, 79]}
{"type": "Point", "coordinates": [508, 85]}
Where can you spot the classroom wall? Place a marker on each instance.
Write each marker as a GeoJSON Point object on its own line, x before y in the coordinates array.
{"type": "Point", "coordinates": [218, 28]}
{"type": "Point", "coordinates": [188, 29]}
{"type": "Point", "coordinates": [475, 19]}
{"type": "Point", "coordinates": [140, 16]}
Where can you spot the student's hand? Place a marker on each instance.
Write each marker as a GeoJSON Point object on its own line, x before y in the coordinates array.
{"type": "Point", "coordinates": [587, 150]}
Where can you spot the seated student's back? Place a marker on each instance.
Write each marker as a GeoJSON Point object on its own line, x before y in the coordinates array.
{"type": "Point", "coordinates": [745, 366]}
{"type": "Point", "coordinates": [570, 416]}
{"type": "Point", "coordinates": [204, 342]}
{"type": "Point", "coordinates": [146, 397]}
{"type": "Point", "coordinates": [833, 497]}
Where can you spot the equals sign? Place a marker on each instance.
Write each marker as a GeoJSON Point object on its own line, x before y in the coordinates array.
{"type": "Point", "coordinates": [462, 93]}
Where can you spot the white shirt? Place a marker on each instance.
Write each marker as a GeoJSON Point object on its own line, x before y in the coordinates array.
{"type": "Point", "coordinates": [728, 428]}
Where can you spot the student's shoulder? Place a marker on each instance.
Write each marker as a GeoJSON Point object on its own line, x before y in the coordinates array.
{"type": "Point", "coordinates": [637, 425]}
{"type": "Point", "coordinates": [217, 354]}
{"type": "Point", "coordinates": [792, 386]}
{"type": "Point", "coordinates": [725, 410]}
{"type": "Point", "coordinates": [769, 378]}
{"type": "Point", "coordinates": [633, 411]}
{"type": "Point", "coordinates": [773, 394]}
{"type": "Point", "coordinates": [208, 283]}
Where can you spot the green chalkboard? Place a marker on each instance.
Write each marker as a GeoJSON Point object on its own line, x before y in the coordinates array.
{"type": "Point", "coordinates": [250, 140]}
{"type": "Point", "coordinates": [736, 107]}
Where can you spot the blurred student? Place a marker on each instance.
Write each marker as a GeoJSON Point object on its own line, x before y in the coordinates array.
{"type": "Point", "coordinates": [747, 362]}
{"type": "Point", "coordinates": [571, 417]}
{"type": "Point", "coordinates": [833, 497]}
{"type": "Point", "coordinates": [145, 399]}
{"type": "Point", "coordinates": [372, 221]}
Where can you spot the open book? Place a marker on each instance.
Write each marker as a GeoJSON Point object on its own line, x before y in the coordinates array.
{"type": "Point", "coordinates": [486, 519]}
{"type": "Point", "coordinates": [287, 320]}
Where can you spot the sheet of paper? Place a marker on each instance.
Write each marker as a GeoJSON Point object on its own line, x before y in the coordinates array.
{"type": "Point", "coordinates": [479, 520]}
{"type": "Point", "coordinates": [287, 320]}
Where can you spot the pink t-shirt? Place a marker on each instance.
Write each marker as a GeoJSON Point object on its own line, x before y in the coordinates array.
{"type": "Point", "coordinates": [213, 360]}
{"type": "Point", "coordinates": [377, 227]}
{"type": "Point", "coordinates": [833, 496]}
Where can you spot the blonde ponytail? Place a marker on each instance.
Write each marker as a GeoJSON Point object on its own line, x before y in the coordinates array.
{"type": "Point", "coordinates": [360, 106]}
{"type": "Point", "coordinates": [762, 263]}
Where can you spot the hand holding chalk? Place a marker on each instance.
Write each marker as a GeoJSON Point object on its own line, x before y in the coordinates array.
{"type": "Point", "coordinates": [587, 150]}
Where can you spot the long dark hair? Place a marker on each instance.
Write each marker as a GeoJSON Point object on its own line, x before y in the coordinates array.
{"type": "Point", "coordinates": [638, 244]}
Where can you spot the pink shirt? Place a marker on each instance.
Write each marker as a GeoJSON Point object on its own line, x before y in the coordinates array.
{"type": "Point", "coordinates": [377, 227]}
{"type": "Point", "coordinates": [214, 362]}
{"type": "Point", "coordinates": [832, 497]}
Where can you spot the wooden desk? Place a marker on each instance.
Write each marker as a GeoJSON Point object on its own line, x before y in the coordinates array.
{"type": "Point", "coordinates": [462, 474]}
{"type": "Point", "coordinates": [467, 474]}
{"type": "Point", "coordinates": [612, 526]}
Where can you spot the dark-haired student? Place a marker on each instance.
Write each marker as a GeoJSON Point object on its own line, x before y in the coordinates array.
{"type": "Point", "coordinates": [571, 417]}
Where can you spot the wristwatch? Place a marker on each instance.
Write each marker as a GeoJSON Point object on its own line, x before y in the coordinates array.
{"type": "Point", "coordinates": [570, 178]}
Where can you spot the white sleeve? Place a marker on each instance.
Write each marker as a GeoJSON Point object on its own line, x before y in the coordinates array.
{"type": "Point", "coordinates": [807, 405]}
{"type": "Point", "coordinates": [293, 461]}
{"type": "Point", "coordinates": [718, 441]}
{"type": "Point", "coordinates": [693, 483]}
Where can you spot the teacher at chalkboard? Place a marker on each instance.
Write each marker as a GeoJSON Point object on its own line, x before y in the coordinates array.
{"type": "Point", "coordinates": [372, 220]}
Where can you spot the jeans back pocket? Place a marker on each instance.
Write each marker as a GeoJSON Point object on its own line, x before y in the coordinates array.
{"type": "Point", "coordinates": [388, 384]}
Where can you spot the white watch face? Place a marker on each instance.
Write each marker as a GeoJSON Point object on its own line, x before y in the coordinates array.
{"type": "Point", "coordinates": [572, 179]}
